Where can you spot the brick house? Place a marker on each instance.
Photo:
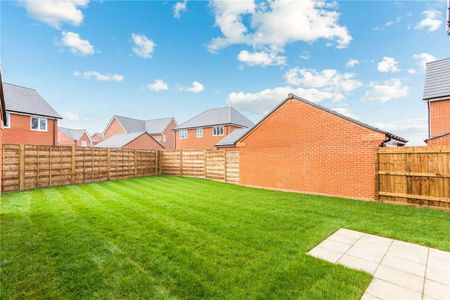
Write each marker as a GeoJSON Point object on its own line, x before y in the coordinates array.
{"type": "Point", "coordinates": [2, 123]}
{"type": "Point", "coordinates": [97, 138]}
{"type": "Point", "coordinates": [29, 118]}
{"type": "Point", "coordinates": [208, 128]}
{"type": "Point", "coordinates": [133, 140]}
{"type": "Point", "coordinates": [160, 129]}
{"type": "Point", "coordinates": [437, 95]}
{"type": "Point", "coordinates": [74, 137]}
{"type": "Point", "coordinates": [301, 146]}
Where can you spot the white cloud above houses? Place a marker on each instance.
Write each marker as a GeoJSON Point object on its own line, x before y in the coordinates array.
{"type": "Point", "coordinates": [99, 76]}
{"type": "Point", "coordinates": [261, 58]}
{"type": "Point", "coordinates": [70, 116]}
{"type": "Point", "coordinates": [179, 8]}
{"type": "Point", "coordinates": [431, 20]}
{"type": "Point", "coordinates": [388, 64]}
{"type": "Point", "coordinates": [158, 85]}
{"type": "Point", "coordinates": [352, 62]}
{"type": "Point", "coordinates": [329, 80]}
{"type": "Point", "coordinates": [413, 128]}
{"type": "Point", "coordinates": [386, 91]}
{"type": "Point", "coordinates": [76, 44]}
{"type": "Point", "coordinates": [143, 46]}
{"type": "Point", "coordinates": [423, 58]}
{"type": "Point", "coordinates": [261, 102]}
{"type": "Point", "coordinates": [196, 87]}
{"type": "Point", "coordinates": [277, 23]}
{"type": "Point", "coordinates": [56, 12]}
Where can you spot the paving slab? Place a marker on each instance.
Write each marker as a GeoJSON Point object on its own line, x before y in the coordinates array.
{"type": "Point", "coordinates": [401, 270]}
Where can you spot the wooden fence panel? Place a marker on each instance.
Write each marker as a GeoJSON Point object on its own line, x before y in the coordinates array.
{"type": "Point", "coordinates": [415, 175]}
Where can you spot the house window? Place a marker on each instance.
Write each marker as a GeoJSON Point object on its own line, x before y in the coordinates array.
{"type": "Point", "coordinates": [38, 124]}
{"type": "Point", "coordinates": [183, 134]}
{"type": "Point", "coordinates": [164, 138]}
{"type": "Point", "coordinates": [199, 132]}
{"type": "Point", "coordinates": [219, 130]}
{"type": "Point", "coordinates": [83, 144]}
{"type": "Point", "coordinates": [8, 121]}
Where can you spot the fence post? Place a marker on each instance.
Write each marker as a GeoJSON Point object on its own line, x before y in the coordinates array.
{"type": "Point", "coordinates": [50, 166]}
{"type": "Point", "coordinates": [135, 163]}
{"type": "Point", "coordinates": [108, 168]}
{"type": "Point", "coordinates": [158, 162]}
{"type": "Point", "coordinates": [377, 175]}
{"type": "Point", "coordinates": [181, 162]}
{"type": "Point", "coordinates": [21, 167]}
{"type": "Point", "coordinates": [72, 172]}
{"type": "Point", "coordinates": [205, 163]}
{"type": "Point", "coordinates": [225, 165]}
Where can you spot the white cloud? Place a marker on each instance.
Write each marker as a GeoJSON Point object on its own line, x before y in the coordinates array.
{"type": "Point", "coordinates": [70, 116]}
{"type": "Point", "coordinates": [76, 44]}
{"type": "Point", "coordinates": [56, 12]}
{"type": "Point", "coordinates": [351, 63]}
{"type": "Point", "coordinates": [99, 76]}
{"type": "Point", "coordinates": [423, 58]}
{"type": "Point", "coordinates": [305, 55]}
{"type": "Point", "coordinates": [386, 91]}
{"type": "Point", "coordinates": [157, 85]}
{"type": "Point", "coordinates": [413, 129]}
{"type": "Point", "coordinates": [328, 80]}
{"type": "Point", "coordinates": [196, 87]}
{"type": "Point", "coordinates": [387, 64]}
{"type": "Point", "coordinates": [263, 101]}
{"type": "Point", "coordinates": [277, 23]}
{"type": "Point", "coordinates": [261, 58]}
{"type": "Point", "coordinates": [178, 8]}
{"type": "Point", "coordinates": [345, 110]}
{"type": "Point", "coordinates": [412, 71]}
{"type": "Point", "coordinates": [432, 20]}
{"type": "Point", "coordinates": [143, 46]}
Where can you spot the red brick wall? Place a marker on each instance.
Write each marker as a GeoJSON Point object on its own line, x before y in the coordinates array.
{"type": "Point", "coordinates": [439, 117]}
{"type": "Point", "coordinates": [84, 138]}
{"type": "Point", "coordinates": [97, 138]}
{"type": "Point", "coordinates": [64, 140]}
{"type": "Point", "coordinates": [206, 142]}
{"type": "Point", "coordinates": [21, 133]}
{"type": "Point", "coordinates": [302, 148]}
{"type": "Point", "coordinates": [442, 141]}
{"type": "Point", "coordinates": [113, 129]}
{"type": "Point", "coordinates": [170, 136]}
{"type": "Point", "coordinates": [145, 142]}
{"type": "Point", "coordinates": [1, 149]}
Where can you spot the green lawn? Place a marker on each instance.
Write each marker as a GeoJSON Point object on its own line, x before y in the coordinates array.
{"type": "Point", "coordinates": [184, 238]}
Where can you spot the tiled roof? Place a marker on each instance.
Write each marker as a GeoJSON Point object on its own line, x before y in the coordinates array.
{"type": "Point", "coordinates": [120, 140]}
{"type": "Point", "coordinates": [152, 126]}
{"type": "Point", "coordinates": [217, 116]}
{"type": "Point", "coordinates": [25, 100]}
{"type": "Point", "coordinates": [233, 137]}
{"type": "Point", "coordinates": [437, 80]}
{"type": "Point", "coordinates": [74, 134]}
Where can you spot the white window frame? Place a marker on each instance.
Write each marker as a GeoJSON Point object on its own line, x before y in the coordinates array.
{"type": "Point", "coordinates": [39, 124]}
{"type": "Point", "coordinates": [197, 130]}
{"type": "Point", "coordinates": [217, 128]}
{"type": "Point", "coordinates": [164, 138]}
{"type": "Point", "coordinates": [84, 144]}
{"type": "Point", "coordinates": [182, 136]}
{"type": "Point", "coordinates": [8, 120]}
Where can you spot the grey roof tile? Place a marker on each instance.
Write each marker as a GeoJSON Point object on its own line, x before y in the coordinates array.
{"type": "Point", "coordinates": [152, 126]}
{"type": "Point", "coordinates": [233, 137]}
{"type": "Point", "coordinates": [120, 140]}
{"type": "Point", "coordinates": [437, 80]}
{"type": "Point", "coordinates": [217, 116]}
{"type": "Point", "coordinates": [26, 100]}
{"type": "Point", "coordinates": [74, 134]}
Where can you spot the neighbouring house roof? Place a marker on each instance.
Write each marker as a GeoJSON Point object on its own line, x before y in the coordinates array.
{"type": "Point", "coordinates": [437, 136]}
{"type": "Point", "coordinates": [2, 99]}
{"type": "Point", "coordinates": [217, 116]}
{"type": "Point", "coordinates": [99, 134]}
{"type": "Point", "coordinates": [121, 140]}
{"type": "Point", "coordinates": [74, 134]}
{"type": "Point", "coordinates": [25, 100]}
{"type": "Point", "coordinates": [437, 80]}
{"type": "Point", "coordinates": [152, 126]}
{"type": "Point", "coordinates": [232, 140]}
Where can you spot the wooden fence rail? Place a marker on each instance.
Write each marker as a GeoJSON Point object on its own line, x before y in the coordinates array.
{"type": "Point", "coordinates": [414, 175]}
{"type": "Point", "coordinates": [31, 166]}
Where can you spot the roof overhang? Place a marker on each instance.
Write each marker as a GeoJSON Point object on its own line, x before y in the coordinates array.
{"type": "Point", "coordinates": [437, 137]}
{"type": "Point", "coordinates": [2, 98]}
{"type": "Point", "coordinates": [208, 126]}
{"type": "Point", "coordinates": [32, 115]}
{"type": "Point", "coordinates": [439, 98]}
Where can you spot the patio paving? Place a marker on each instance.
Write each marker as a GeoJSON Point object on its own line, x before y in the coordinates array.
{"type": "Point", "coordinates": [401, 270]}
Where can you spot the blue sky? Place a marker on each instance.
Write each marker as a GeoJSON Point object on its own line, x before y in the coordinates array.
{"type": "Point", "coordinates": [150, 59]}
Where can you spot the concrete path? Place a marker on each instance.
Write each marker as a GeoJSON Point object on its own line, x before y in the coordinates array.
{"type": "Point", "coordinates": [401, 270]}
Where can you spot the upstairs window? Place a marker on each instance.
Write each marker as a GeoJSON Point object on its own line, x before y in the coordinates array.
{"type": "Point", "coordinates": [83, 144]}
{"type": "Point", "coordinates": [8, 121]}
{"type": "Point", "coordinates": [219, 130]}
{"type": "Point", "coordinates": [199, 132]}
{"type": "Point", "coordinates": [38, 124]}
{"type": "Point", "coordinates": [183, 134]}
{"type": "Point", "coordinates": [164, 138]}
